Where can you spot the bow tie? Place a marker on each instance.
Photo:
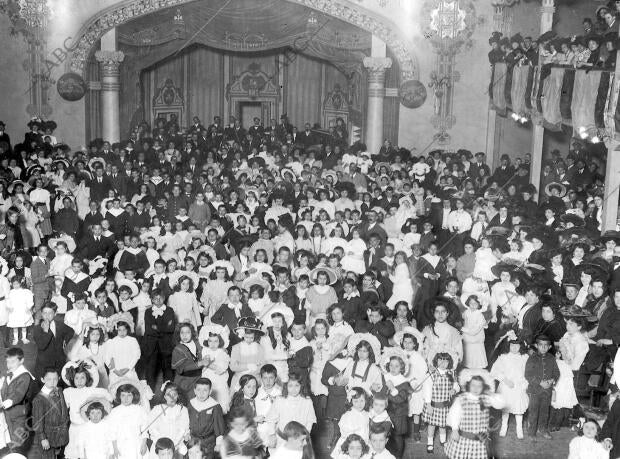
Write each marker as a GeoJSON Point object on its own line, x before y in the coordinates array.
{"type": "Point", "coordinates": [9, 375]}
{"type": "Point", "coordinates": [157, 312]}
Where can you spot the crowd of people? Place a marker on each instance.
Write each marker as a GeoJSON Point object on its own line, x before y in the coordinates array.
{"type": "Point", "coordinates": [593, 47]}
{"type": "Point", "coordinates": [204, 291]}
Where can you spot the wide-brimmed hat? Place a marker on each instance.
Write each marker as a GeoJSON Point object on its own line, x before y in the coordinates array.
{"type": "Point", "coordinates": [72, 365]}
{"type": "Point", "coordinates": [225, 264]}
{"type": "Point", "coordinates": [557, 185]}
{"type": "Point", "coordinates": [214, 329]}
{"type": "Point", "coordinates": [610, 235]}
{"type": "Point", "coordinates": [332, 174]}
{"type": "Point", "coordinates": [249, 282]}
{"type": "Point", "coordinates": [249, 323]}
{"type": "Point", "coordinates": [34, 169]}
{"type": "Point", "coordinates": [14, 183]}
{"type": "Point", "coordinates": [107, 406]}
{"type": "Point", "coordinates": [146, 394]}
{"type": "Point", "coordinates": [387, 355]}
{"type": "Point", "coordinates": [381, 164]}
{"type": "Point", "coordinates": [499, 268]}
{"type": "Point", "coordinates": [125, 317]}
{"type": "Point", "coordinates": [331, 275]}
{"type": "Point", "coordinates": [372, 340]}
{"type": "Point", "coordinates": [575, 311]}
{"type": "Point", "coordinates": [498, 231]}
{"type": "Point", "coordinates": [288, 170]}
{"type": "Point", "coordinates": [576, 220]}
{"type": "Point", "coordinates": [92, 163]}
{"type": "Point", "coordinates": [287, 312]}
{"type": "Point", "coordinates": [131, 285]}
{"type": "Point", "coordinates": [398, 336]}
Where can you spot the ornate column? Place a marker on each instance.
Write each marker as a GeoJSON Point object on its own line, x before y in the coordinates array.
{"type": "Point", "coordinates": [110, 62]}
{"type": "Point", "coordinates": [376, 92]}
{"type": "Point", "coordinates": [538, 131]}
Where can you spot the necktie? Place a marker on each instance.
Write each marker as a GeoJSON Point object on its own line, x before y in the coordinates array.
{"type": "Point", "coordinates": [99, 179]}
{"type": "Point", "coordinates": [9, 375]}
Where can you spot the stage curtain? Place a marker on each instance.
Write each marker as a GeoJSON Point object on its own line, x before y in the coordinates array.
{"type": "Point", "coordinates": [584, 99]}
{"type": "Point", "coordinates": [550, 101]}
{"type": "Point", "coordinates": [206, 85]}
{"type": "Point", "coordinates": [303, 102]}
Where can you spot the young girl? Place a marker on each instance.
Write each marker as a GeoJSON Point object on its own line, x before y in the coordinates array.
{"type": "Point", "coordinates": [418, 372]}
{"type": "Point", "coordinates": [442, 337]}
{"type": "Point", "coordinates": [564, 397]}
{"type": "Point", "coordinates": [247, 356]}
{"type": "Point", "coordinates": [95, 441]}
{"type": "Point", "coordinates": [186, 361]}
{"type": "Point", "coordinates": [398, 390]}
{"type": "Point", "coordinates": [258, 301]}
{"type": "Point", "coordinates": [439, 389]}
{"type": "Point", "coordinates": [320, 354]}
{"type": "Point", "coordinates": [128, 421]}
{"type": "Point", "coordinates": [474, 323]}
{"type": "Point", "coordinates": [276, 345]}
{"type": "Point", "coordinates": [485, 260]}
{"type": "Point", "coordinates": [169, 419]}
{"type": "Point", "coordinates": [354, 447]}
{"type": "Point", "coordinates": [19, 305]}
{"type": "Point", "coordinates": [206, 421]}
{"type": "Point", "coordinates": [184, 303]}
{"type": "Point", "coordinates": [294, 405]}
{"type": "Point", "coordinates": [337, 325]}
{"type": "Point", "coordinates": [245, 397]}
{"type": "Point", "coordinates": [217, 361]}
{"type": "Point", "coordinates": [403, 318]}
{"type": "Point", "coordinates": [82, 380]}
{"type": "Point", "coordinates": [362, 371]}
{"type": "Point", "coordinates": [354, 421]}
{"type": "Point", "coordinates": [122, 352]}
{"type": "Point", "coordinates": [242, 439]}
{"type": "Point", "coordinates": [587, 444]}
{"type": "Point", "coordinates": [90, 347]}
{"type": "Point", "coordinates": [296, 444]}
{"type": "Point", "coordinates": [509, 370]}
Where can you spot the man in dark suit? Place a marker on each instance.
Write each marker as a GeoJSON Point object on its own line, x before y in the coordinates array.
{"type": "Point", "coordinates": [306, 138]}
{"type": "Point", "coordinates": [375, 251]}
{"type": "Point", "coordinates": [229, 314]}
{"type": "Point", "coordinates": [99, 185]}
{"type": "Point", "coordinates": [376, 325]}
{"type": "Point", "coordinates": [41, 281]}
{"type": "Point", "coordinates": [371, 226]}
{"type": "Point", "coordinates": [119, 181]}
{"type": "Point", "coordinates": [51, 337]}
{"type": "Point", "coordinates": [15, 393]}
{"type": "Point", "coordinates": [95, 244]}
{"type": "Point", "coordinates": [480, 163]}
{"type": "Point", "coordinates": [158, 341]}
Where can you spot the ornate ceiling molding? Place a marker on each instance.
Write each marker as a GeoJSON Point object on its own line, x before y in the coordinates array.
{"type": "Point", "coordinates": [127, 10]}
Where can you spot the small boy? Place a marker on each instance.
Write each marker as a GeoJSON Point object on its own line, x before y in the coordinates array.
{"type": "Point", "coordinates": [300, 353]}
{"type": "Point", "coordinates": [206, 419]}
{"type": "Point", "coordinates": [14, 393]}
{"type": "Point", "coordinates": [541, 372]}
{"type": "Point", "coordinates": [164, 448]}
{"type": "Point", "coordinates": [378, 439]}
{"type": "Point", "coordinates": [267, 393]}
{"type": "Point", "coordinates": [50, 418]}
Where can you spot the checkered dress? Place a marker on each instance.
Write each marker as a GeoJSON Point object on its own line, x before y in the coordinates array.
{"type": "Point", "coordinates": [474, 420]}
{"type": "Point", "coordinates": [443, 389]}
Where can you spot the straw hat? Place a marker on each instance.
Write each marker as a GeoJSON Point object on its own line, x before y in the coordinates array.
{"type": "Point", "coordinates": [372, 340]}
{"type": "Point", "coordinates": [331, 275]}
{"type": "Point", "coordinates": [146, 394]}
{"type": "Point", "coordinates": [390, 352]}
{"type": "Point", "coordinates": [71, 366]}
{"type": "Point", "coordinates": [107, 406]}
{"type": "Point", "coordinates": [214, 329]}
{"type": "Point", "coordinates": [131, 285]}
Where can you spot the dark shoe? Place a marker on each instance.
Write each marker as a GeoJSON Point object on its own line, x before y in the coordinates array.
{"type": "Point", "coordinates": [547, 435]}
{"type": "Point", "coordinates": [430, 449]}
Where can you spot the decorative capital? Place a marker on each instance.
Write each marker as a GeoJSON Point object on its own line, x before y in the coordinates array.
{"type": "Point", "coordinates": [377, 64]}
{"type": "Point", "coordinates": [109, 60]}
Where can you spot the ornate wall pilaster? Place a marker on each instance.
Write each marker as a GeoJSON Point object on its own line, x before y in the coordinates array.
{"type": "Point", "coordinates": [110, 62]}
{"type": "Point", "coordinates": [377, 67]}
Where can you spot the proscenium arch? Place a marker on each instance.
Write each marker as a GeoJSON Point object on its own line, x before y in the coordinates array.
{"type": "Point", "coordinates": [127, 10]}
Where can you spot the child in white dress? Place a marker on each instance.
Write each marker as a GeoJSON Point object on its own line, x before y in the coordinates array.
{"type": "Point", "coordinates": [354, 421]}
{"type": "Point", "coordinates": [485, 260]}
{"type": "Point", "coordinates": [474, 354]}
{"type": "Point", "coordinates": [214, 339]}
{"type": "Point", "coordinates": [19, 305]}
{"type": "Point", "coordinates": [94, 441]}
{"type": "Point", "coordinates": [509, 370]}
{"type": "Point", "coordinates": [587, 445]}
{"type": "Point", "coordinates": [418, 372]}
{"type": "Point", "coordinates": [564, 397]}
